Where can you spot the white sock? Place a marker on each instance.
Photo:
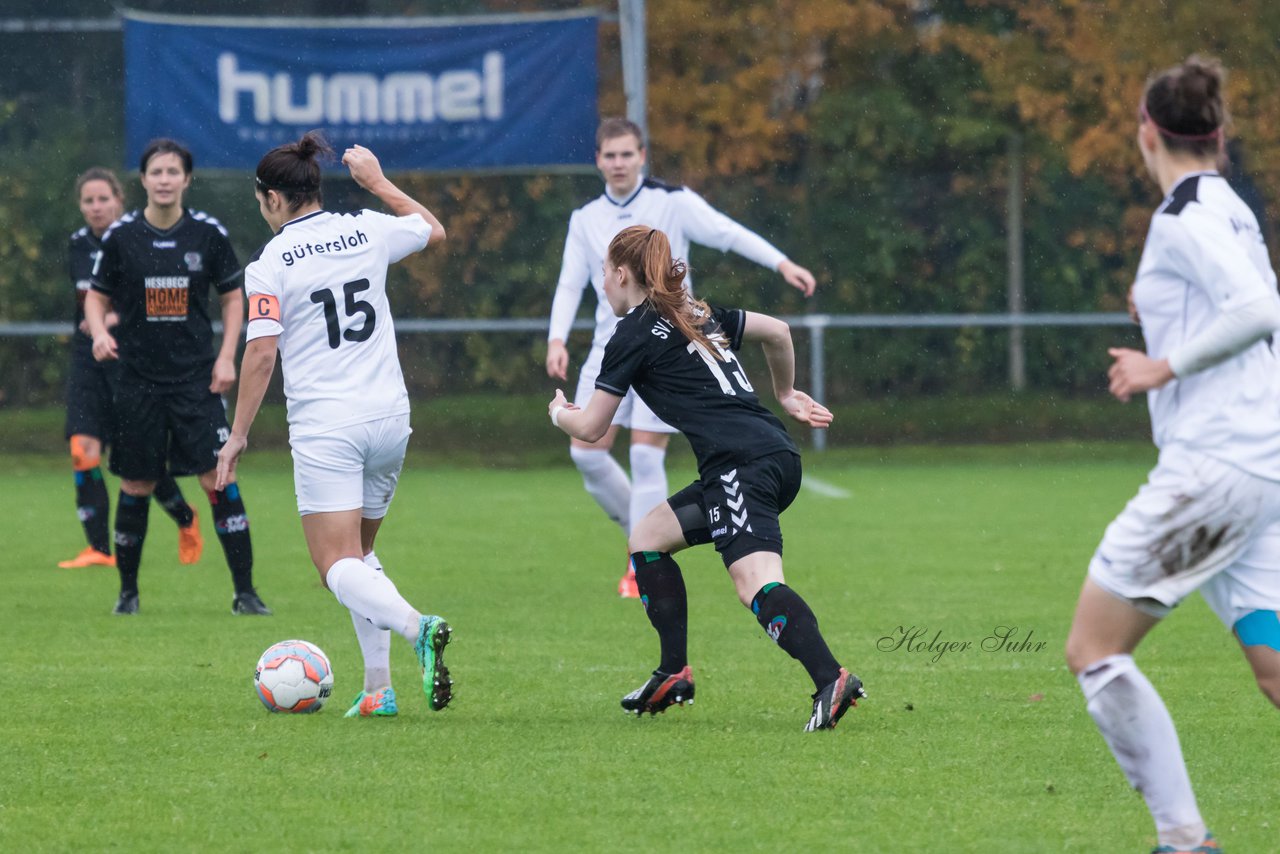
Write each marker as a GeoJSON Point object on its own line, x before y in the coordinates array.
{"type": "Point", "coordinates": [375, 643]}
{"type": "Point", "coordinates": [606, 482]}
{"type": "Point", "coordinates": [371, 595]}
{"type": "Point", "coordinates": [648, 480]}
{"type": "Point", "coordinates": [1137, 727]}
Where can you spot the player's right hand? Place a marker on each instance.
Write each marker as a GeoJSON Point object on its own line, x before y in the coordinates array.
{"type": "Point", "coordinates": [557, 360]}
{"type": "Point", "coordinates": [104, 348]}
{"type": "Point", "coordinates": [227, 459]}
{"type": "Point", "coordinates": [1134, 372]}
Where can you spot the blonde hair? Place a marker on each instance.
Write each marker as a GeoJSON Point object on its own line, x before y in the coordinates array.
{"type": "Point", "coordinates": [98, 173]}
{"type": "Point", "coordinates": [646, 252]}
{"type": "Point", "coordinates": [613, 128]}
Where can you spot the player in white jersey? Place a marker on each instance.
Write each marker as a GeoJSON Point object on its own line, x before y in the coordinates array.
{"type": "Point", "coordinates": [630, 199]}
{"type": "Point", "coordinates": [1208, 517]}
{"type": "Point", "coordinates": [318, 295]}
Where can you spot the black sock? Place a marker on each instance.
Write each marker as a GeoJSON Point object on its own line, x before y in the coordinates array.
{"type": "Point", "coordinates": [232, 525]}
{"type": "Point", "coordinates": [131, 530]}
{"type": "Point", "coordinates": [93, 506]}
{"type": "Point", "coordinates": [787, 619]}
{"type": "Point", "coordinates": [174, 503]}
{"type": "Point", "coordinates": [662, 592]}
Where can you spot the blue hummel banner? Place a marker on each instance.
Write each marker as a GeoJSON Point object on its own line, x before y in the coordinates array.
{"type": "Point", "coordinates": [498, 93]}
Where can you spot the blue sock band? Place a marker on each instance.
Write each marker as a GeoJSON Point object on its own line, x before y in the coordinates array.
{"type": "Point", "coordinates": [1259, 628]}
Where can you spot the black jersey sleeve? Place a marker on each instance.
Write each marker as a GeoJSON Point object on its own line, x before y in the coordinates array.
{"type": "Point", "coordinates": [106, 271]}
{"type": "Point", "coordinates": [224, 267]}
{"type": "Point", "coordinates": [624, 358]}
{"type": "Point", "coordinates": [732, 322]}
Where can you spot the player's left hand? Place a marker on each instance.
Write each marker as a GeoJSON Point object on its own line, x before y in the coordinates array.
{"type": "Point", "coordinates": [1133, 307]}
{"type": "Point", "coordinates": [1134, 372]}
{"type": "Point", "coordinates": [224, 375]}
{"type": "Point", "coordinates": [227, 459]}
{"type": "Point", "coordinates": [559, 400]}
{"type": "Point", "coordinates": [104, 348]}
{"type": "Point", "coordinates": [806, 410]}
{"type": "Point", "coordinates": [798, 277]}
{"type": "Point", "coordinates": [363, 165]}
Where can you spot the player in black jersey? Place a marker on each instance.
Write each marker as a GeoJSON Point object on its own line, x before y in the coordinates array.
{"type": "Point", "coordinates": [155, 269]}
{"type": "Point", "coordinates": [676, 352]}
{"type": "Point", "coordinates": [89, 390]}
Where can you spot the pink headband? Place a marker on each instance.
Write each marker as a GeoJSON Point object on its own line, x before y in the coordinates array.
{"type": "Point", "coordinates": [1145, 116]}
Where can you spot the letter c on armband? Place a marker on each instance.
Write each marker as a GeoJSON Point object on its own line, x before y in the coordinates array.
{"type": "Point", "coordinates": [264, 307]}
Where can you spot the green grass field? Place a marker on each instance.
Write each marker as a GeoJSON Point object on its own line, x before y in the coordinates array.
{"type": "Point", "coordinates": [145, 734]}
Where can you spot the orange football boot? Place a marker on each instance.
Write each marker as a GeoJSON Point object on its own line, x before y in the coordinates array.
{"type": "Point", "coordinates": [89, 557]}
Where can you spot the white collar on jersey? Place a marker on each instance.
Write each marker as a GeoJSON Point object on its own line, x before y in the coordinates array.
{"type": "Point", "coordinates": [1200, 173]}
{"type": "Point", "coordinates": [623, 201]}
{"type": "Point", "coordinates": [300, 219]}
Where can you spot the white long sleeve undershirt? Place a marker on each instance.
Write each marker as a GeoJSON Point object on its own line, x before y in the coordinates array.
{"type": "Point", "coordinates": [1231, 332]}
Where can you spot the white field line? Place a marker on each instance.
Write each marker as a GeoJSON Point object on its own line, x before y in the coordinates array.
{"type": "Point", "coordinates": [830, 490]}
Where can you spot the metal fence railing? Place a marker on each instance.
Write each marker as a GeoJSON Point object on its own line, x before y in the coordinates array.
{"type": "Point", "coordinates": [815, 324]}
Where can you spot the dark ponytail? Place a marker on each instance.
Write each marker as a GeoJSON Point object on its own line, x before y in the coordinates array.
{"type": "Point", "coordinates": [293, 170]}
{"type": "Point", "coordinates": [1187, 105]}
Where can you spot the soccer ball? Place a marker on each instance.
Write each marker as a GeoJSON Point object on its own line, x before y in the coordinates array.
{"type": "Point", "coordinates": [293, 676]}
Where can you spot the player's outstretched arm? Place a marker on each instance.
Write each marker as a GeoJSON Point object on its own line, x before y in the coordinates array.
{"type": "Point", "coordinates": [588, 424]}
{"type": "Point", "coordinates": [256, 367]}
{"type": "Point", "coordinates": [774, 337]}
{"type": "Point", "coordinates": [708, 226]}
{"type": "Point", "coordinates": [367, 172]}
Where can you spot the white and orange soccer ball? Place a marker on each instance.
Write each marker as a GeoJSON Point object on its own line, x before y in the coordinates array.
{"type": "Point", "coordinates": [293, 676]}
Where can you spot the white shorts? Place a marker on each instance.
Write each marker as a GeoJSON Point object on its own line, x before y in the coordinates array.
{"type": "Point", "coordinates": [1197, 523]}
{"type": "Point", "coordinates": [633, 413]}
{"type": "Point", "coordinates": [353, 467]}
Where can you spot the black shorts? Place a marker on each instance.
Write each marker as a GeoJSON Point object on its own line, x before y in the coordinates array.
{"type": "Point", "coordinates": [90, 386]}
{"type": "Point", "coordinates": [738, 509]}
{"type": "Point", "coordinates": [174, 428]}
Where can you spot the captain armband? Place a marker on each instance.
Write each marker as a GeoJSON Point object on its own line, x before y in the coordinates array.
{"type": "Point", "coordinates": [264, 307]}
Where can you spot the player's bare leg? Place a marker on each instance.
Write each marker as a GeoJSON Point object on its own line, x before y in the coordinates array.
{"type": "Point", "coordinates": [336, 541]}
{"type": "Point", "coordinates": [93, 505]}
{"type": "Point", "coordinates": [660, 586]}
{"type": "Point", "coordinates": [1259, 636]}
{"type": "Point", "coordinates": [607, 482]}
{"type": "Point", "coordinates": [604, 479]}
{"type": "Point", "coordinates": [377, 698]}
{"type": "Point", "coordinates": [787, 619]}
{"type": "Point", "coordinates": [648, 486]}
{"type": "Point", "coordinates": [132, 509]}
{"type": "Point", "coordinates": [231, 524]}
{"type": "Point", "coordinates": [1129, 712]}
